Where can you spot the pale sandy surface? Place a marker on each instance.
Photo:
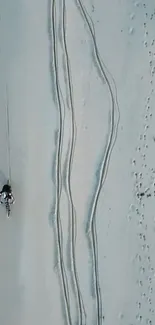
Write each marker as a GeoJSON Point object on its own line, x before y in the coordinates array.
{"type": "Point", "coordinates": [112, 80]}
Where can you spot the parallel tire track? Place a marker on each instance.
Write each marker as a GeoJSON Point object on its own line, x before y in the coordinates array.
{"type": "Point", "coordinates": [81, 310]}
{"type": "Point", "coordinates": [104, 165]}
{"type": "Point", "coordinates": [58, 170]}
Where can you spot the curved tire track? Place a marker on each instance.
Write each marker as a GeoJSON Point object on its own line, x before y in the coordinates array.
{"type": "Point", "coordinates": [58, 168]}
{"type": "Point", "coordinates": [105, 162]}
{"type": "Point", "coordinates": [80, 304]}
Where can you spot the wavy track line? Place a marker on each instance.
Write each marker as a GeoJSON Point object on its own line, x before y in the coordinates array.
{"type": "Point", "coordinates": [79, 300]}
{"type": "Point", "coordinates": [104, 165]}
{"type": "Point", "coordinates": [114, 128]}
{"type": "Point", "coordinates": [58, 171]}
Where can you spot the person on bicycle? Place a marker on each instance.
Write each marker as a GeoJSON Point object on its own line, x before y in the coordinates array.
{"type": "Point", "coordinates": [6, 195]}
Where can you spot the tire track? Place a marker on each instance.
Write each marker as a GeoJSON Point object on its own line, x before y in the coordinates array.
{"type": "Point", "coordinates": [79, 300]}
{"type": "Point", "coordinates": [104, 164]}
{"type": "Point", "coordinates": [52, 7]}
{"type": "Point", "coordinates": [8, 135]}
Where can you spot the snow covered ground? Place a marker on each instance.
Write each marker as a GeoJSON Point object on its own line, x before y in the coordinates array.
{"type": "Point", "coordinates": [79, 246]}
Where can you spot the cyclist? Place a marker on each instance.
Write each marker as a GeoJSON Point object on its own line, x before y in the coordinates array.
{"type": "Point", "coordinates": [6, 195]}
